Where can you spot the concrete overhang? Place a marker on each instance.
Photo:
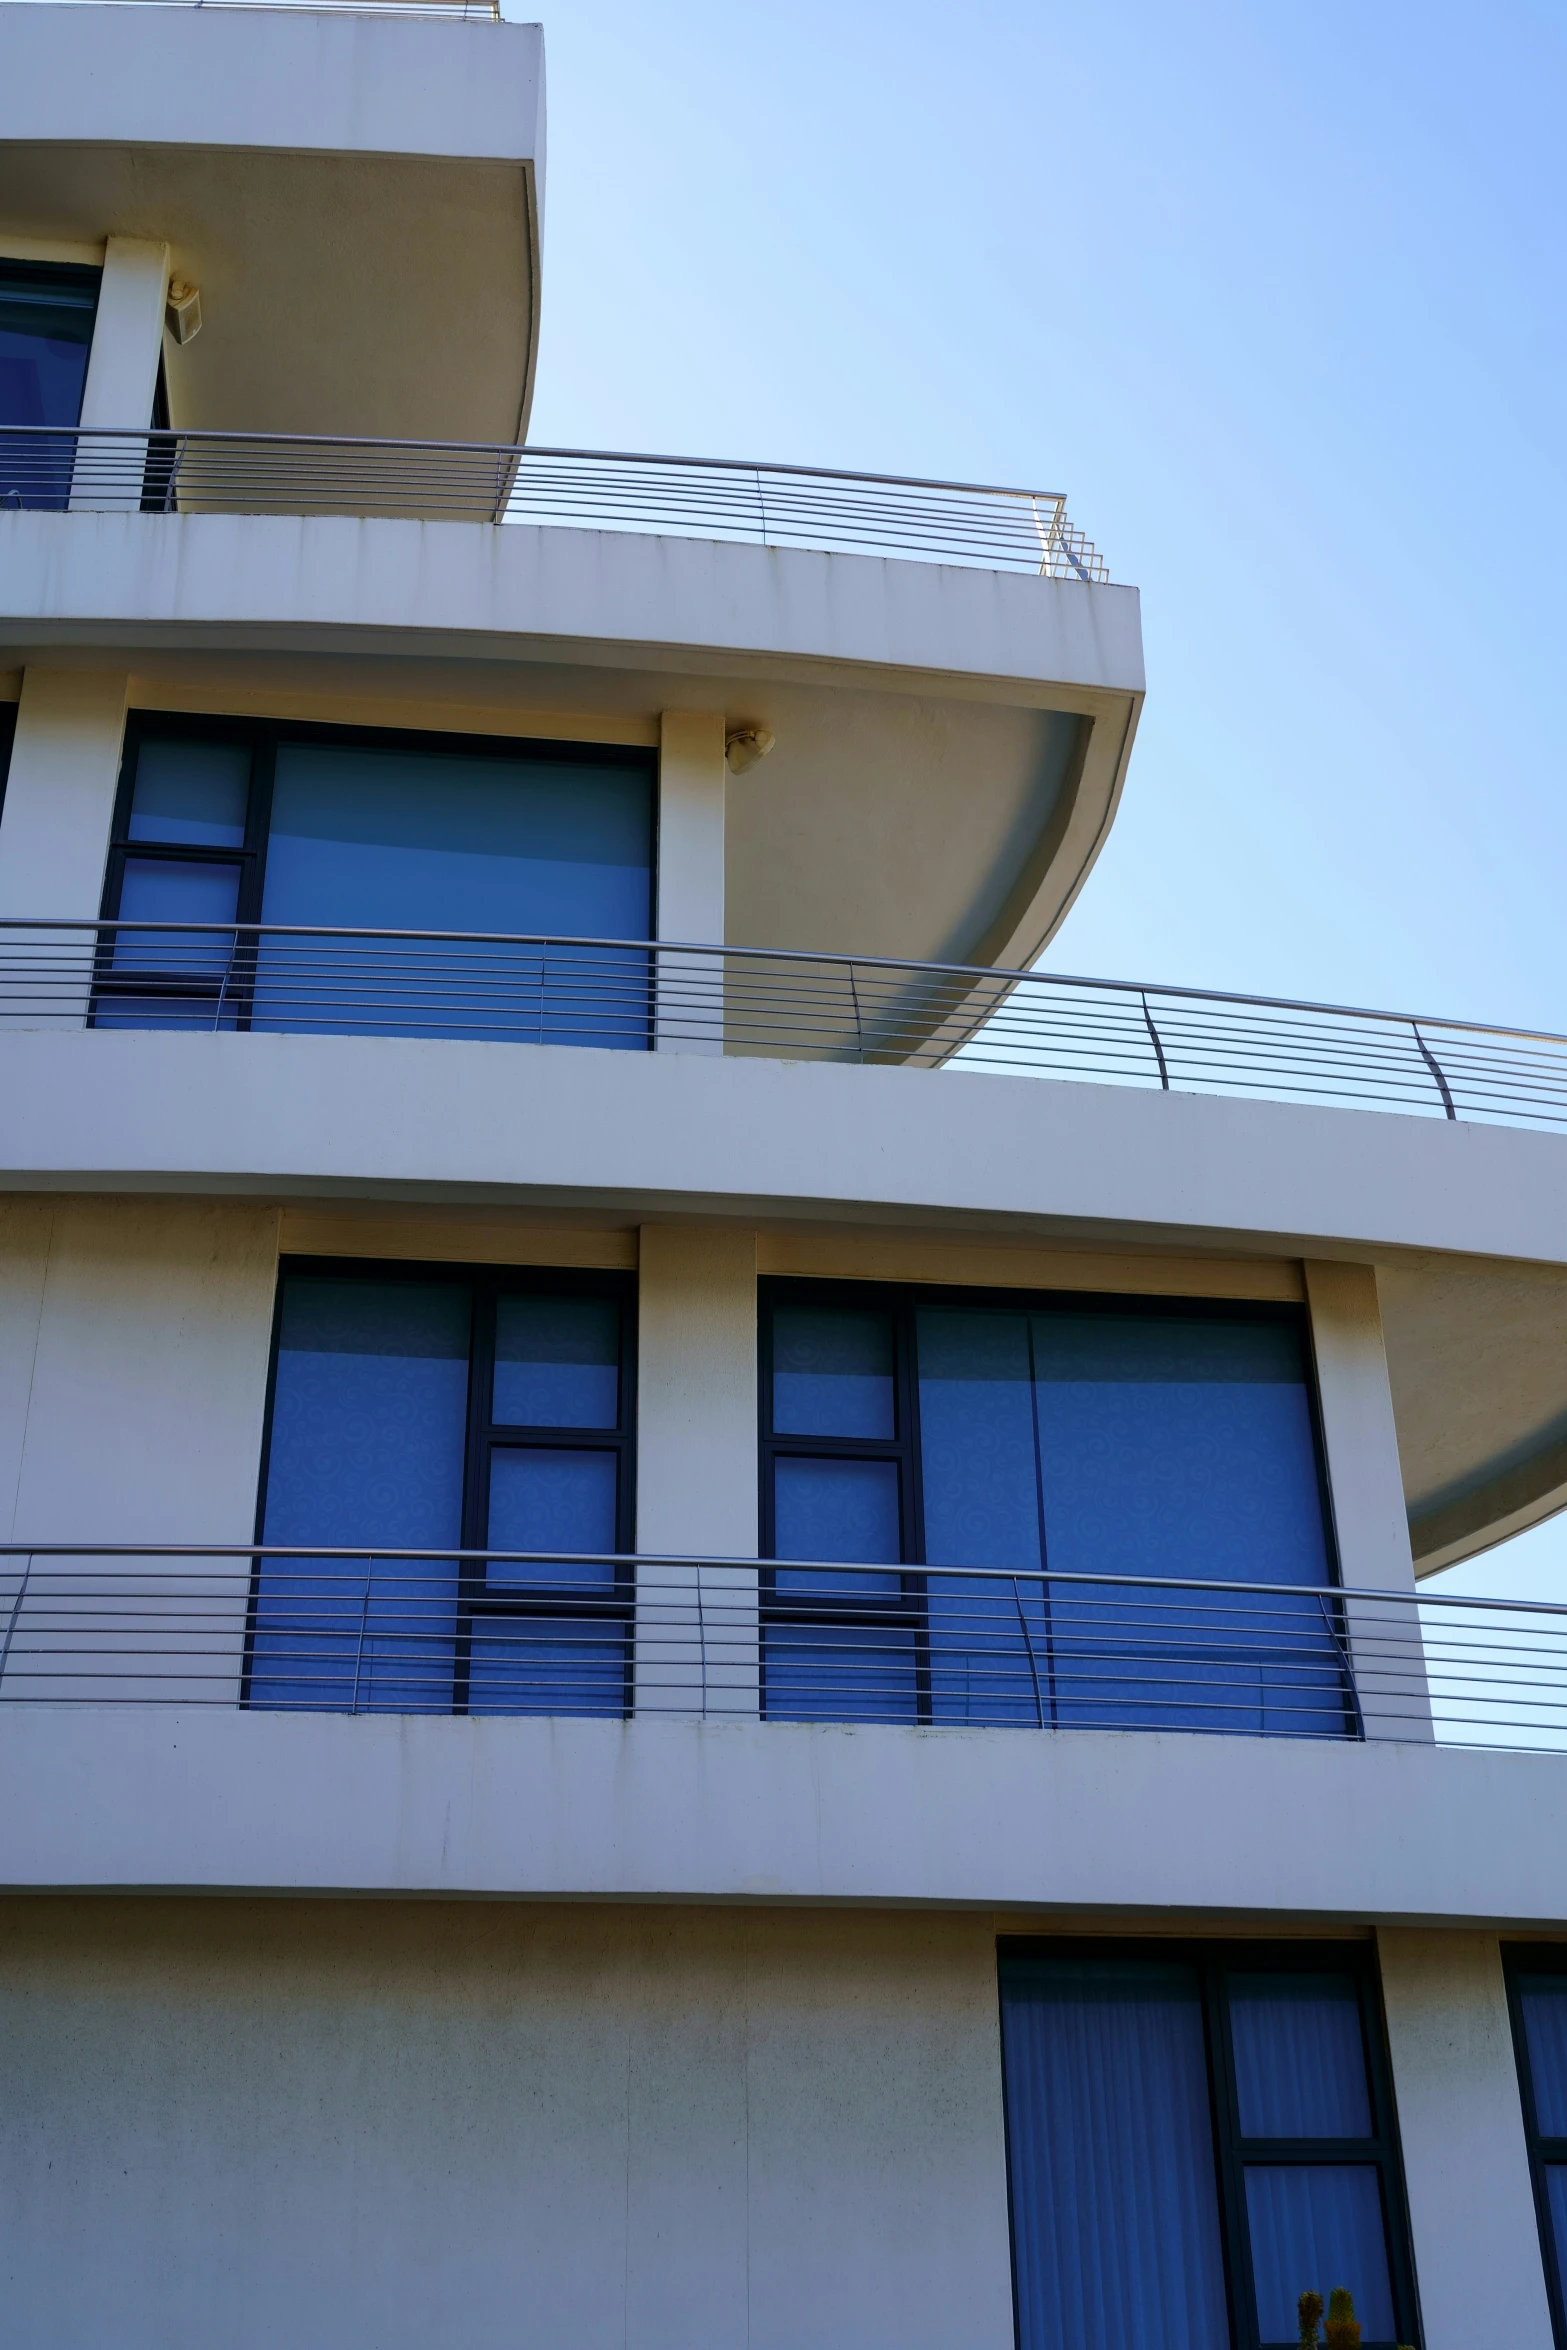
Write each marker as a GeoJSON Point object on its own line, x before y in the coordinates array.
{"type": "Point", "coordinates": [359, 199]}
{"type": "Point", "coordinates": [210, 1799]}
{"type": "Point", "coordinates": [1467, 1225]}
{"type": "Point", "coordinates": [951, 742]}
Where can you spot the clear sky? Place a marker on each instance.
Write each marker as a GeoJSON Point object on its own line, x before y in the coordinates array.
{"type": "Point", "coordinates": [1274, 292]}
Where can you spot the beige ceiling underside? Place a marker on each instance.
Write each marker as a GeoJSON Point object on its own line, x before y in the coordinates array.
{"type": "Point", "coordinates": [342, 294]}
{"type": "Point", "coordinates": [1477, 1357]}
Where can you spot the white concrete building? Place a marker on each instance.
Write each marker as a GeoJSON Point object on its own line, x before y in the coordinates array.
{"type": "Point", "coordinates": [707, 1609]}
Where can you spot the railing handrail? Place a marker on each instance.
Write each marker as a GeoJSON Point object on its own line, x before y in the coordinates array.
{"type": "Point", "coordinates": [344, 440]}
{"type": "Point", "coordinates": [1006, 974]}
{"type": "Point", "coordinates": [683, 1560]}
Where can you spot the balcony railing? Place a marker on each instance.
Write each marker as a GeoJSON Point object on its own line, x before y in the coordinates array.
{"type": "Point", "coordinates": [518, 1633]}
{"type": "Point", "coordinates": [968, 523]}
{"type": "Point", "coordinates": [633, 994]}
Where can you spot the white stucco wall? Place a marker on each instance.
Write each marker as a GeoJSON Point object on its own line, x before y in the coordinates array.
{"type": "Point", "coordinates": [1466, 2167]}
{"type": "Point", "coordinates": [59, 793]}
{"type": "Point", "coordinates": [134, 1339]}
{"type": "Point", "coordinates": [610, 2129]}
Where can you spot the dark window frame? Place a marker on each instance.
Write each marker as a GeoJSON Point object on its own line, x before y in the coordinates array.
{"type": "Point", "coordinates": [903, 1300]}
{"type": "Point", "coordinates": [1213, 1960]}
{"type": "Point", "coordinates": [483, 1436]}
{"type": "Point", "coordinates": [1544, 1958]}
{"type": "Point", "coordinates": [265, 737]}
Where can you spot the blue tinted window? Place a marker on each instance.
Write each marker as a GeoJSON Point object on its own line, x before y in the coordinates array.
{"type": "Point", "coordinates": [547, 1665]}
{"type": "Point", "coordinates": [1315, 2226]}
{"type": "Point", "coordinates": [369, 1420]}
{"type": "Point", "coordinates": [1542, 2001]}
{"type": "Point", "coordinates": [832, 1372]}
{"type": "Point", "coordinates": [1115, 2202]}
{"type": "Point", "coordinates": [435, 840]}
{"type": "Point", "coordinates": [1300, 2064]}
{"type": "Point", "coordinates": [46, 323]}
{"type": "Point", "coordinates": [193, 794]}
{"type": "Point", "coordinates": [978, 1442]}
{"type": "Point", "coordinates": [1133, 2194]}
{"type": "Point", "coordinates": [1174, 1446]}
{"type": "Point", "coordinates": [840, 1672]}
{"type": "Point", "coordinates": [557, 1362]}
{"type": "Point", "coordinates": [547, 1500]}
{"type": "Point", "coordinates": [827, 1510]}
{"type": "Point", "coordinates": [157, 890]}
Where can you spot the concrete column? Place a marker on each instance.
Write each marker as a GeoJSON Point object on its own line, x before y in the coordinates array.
{"type": "Point", "coordinates": [1460, 2119]}
{"type": "Point", "coordinates": [691, 782]}
{"type": "Point", "coordinates": [54, 835]}
{"type": "Point", "coordinates": [122, 372]}
{"type": "Point", "coordinates": [697, 1638]}
{"type": "Point", "coordinates": [1366, 1488]}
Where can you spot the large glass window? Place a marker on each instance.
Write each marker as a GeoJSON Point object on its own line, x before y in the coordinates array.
{"type": "Point", "coordinates": [415, 1411]}
{"type": "Point", "coordinates": [314, 833]}
{"type": "Point", "coordinates": [911, 1444]}
{"type": "Point", "coordinates": [1537, 1993]}
{"type": "Point", "coordinates": [1195, 2139]}
{"type": "Point", "coordinates": [46, 326]}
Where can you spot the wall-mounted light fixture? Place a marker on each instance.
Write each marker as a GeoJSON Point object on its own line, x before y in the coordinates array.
{"type": "Point", "coordinates": [745, 744]}
{"type": "Point", "coordinates": [183, 314]}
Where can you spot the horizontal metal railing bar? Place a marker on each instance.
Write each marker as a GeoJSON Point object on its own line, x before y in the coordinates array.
{"type": "Point", "coordinates": [997, 975]}
{"type": "Point", "coordinates": [508, 449]}
{"type": "Point", "coordinates": [688, 1561]}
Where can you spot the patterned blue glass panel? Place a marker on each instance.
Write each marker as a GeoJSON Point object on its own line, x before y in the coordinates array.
{"type": "Point", "coordinates": [1115, 2206]}
{"type": "Point", "coordinates": [557, 1362]}
{"type": "Point", "coordinates": [176, 978]}
{"type": "Point", "coordinates": [1313, 2227]}
{"type": "Point", "coordinates": [547, 1665]}
{"type": "Point", "coordinates": [387, 839]}
{"type": "Point", "coordinates": [832, 1372]}
{"type": "Point", "coordinates": [1543, 2001]}
{"type": "Point", "coordinates": [989, 1638]}
{"type": "Point", "coordinates": [839, 1672]}
{"type": "Point", "coordinates": [556, 1502]}
{"type": "Point", "coordinates": [368, 1425]}
{"type": "Point", "coordinates": [192, 794]}
{"type": "Point", "coordinates": [1300, 2060]}
{"type": "Point", "coordinates": [1183, 1447]}
{"type": "Point", "coordinates": [46, 324]}
{"type": "Point", "coordinates": [828, 1510]}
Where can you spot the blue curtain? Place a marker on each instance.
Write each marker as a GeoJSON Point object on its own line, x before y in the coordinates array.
{"type": "Point", "coordinates": [381, 839]}
{"type": "Point", "coordinates": [46, 325]}
{"type": "Point", "coordinates": [1114, 2195]}
{"type": "Point", "coordinates": [369, 1421]}
{"type": "Point", "coordinates": [1314, 2226]}
{"type": "Point", "coordinates": [1543, 2001]}
{"type": "Point", "coordinates": [1300, 2058]}
{"type": "Point", "coordinates": [1125, 1444]}
{"type": "Point", "coordinates": [557, 1362]}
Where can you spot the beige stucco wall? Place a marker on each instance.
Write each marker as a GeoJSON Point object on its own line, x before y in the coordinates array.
{"type": "Point", "coordinates": [399, 2124]}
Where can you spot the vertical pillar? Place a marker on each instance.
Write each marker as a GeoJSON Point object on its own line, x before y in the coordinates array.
{"type": "Point", "coordinates": [691, 780]}
{"type": "Point", "coordinates": [697, 1635]}
{"type": "Point", "coordinates": [1460, 2119]}
{"type": "Point", "coordinates": [1366, 1487]}
{"type": "Point", "coordinates": [54, 838]}
{"type": "Point", "coordinates": [122, 373]}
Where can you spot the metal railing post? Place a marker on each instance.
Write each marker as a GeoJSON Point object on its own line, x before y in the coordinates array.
{"type": "Point", "coordinates": [364, 1618]}
{"type": "Point", "coordinates": [11, 1623]}
{"type": "Point", "coordinates": [1435, 1067]}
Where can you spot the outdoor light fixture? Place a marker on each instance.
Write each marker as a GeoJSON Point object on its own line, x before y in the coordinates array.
{"type": "Point", "coordinates": [183, 314]}
{"type": "Point", "coordinates": [744, 745]}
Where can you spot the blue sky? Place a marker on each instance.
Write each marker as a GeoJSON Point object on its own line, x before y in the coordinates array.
{"type": "Point", "coordinates": [1274, 292]}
